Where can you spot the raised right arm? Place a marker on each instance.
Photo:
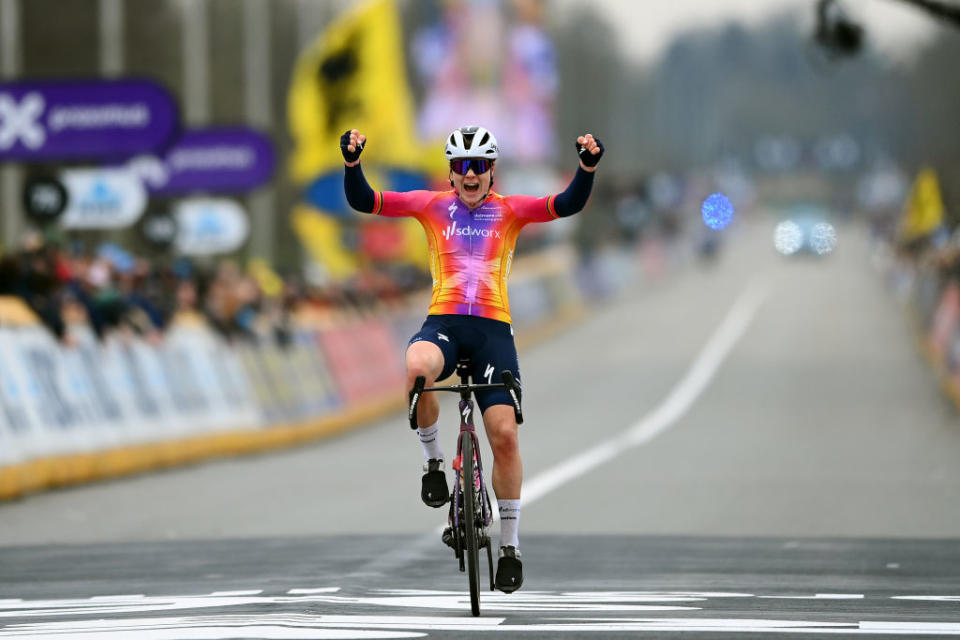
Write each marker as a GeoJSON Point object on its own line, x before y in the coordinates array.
{"type": "Point", "coordinates": [359, 194]}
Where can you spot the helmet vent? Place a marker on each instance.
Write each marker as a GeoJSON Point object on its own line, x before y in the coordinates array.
{"type": "Point", "coordinates": [471, 142]}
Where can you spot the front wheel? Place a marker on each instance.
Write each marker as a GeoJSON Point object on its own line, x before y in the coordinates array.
{"type": "Point", "coordinates": [471, 539]}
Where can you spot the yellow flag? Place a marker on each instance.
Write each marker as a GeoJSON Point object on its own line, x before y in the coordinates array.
{"type": "Point", "coordinates": [924, 212]}
{"type": "Point", "coordinates": [353, 77]}
{"type": "Point", "coordinates": [269, 280]}
{"type": "Point", "coordinates": [320, 234]}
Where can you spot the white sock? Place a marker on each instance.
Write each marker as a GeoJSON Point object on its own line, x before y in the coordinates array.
{"type": "Point", "coordinates": [509, 523]}
{"type": "Point", "coordinates": [430, 442]}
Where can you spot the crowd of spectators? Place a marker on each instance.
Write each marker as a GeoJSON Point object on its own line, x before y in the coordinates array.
{"type": "Point", "coordinates": [112, 290]}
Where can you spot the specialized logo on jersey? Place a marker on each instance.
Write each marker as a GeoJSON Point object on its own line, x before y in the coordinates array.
{"type": "Point", "coordinates": [452, 209]}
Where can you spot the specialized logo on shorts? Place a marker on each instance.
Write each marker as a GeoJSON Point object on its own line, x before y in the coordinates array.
{"type": "Point", "coordinates": [443, 337]}
{"type": "Point", "coordinates": [453, 230]}
{"type": "Point", "coordinates": [488, 374]}
{"type": "Point", "coordinates": [21, 121]}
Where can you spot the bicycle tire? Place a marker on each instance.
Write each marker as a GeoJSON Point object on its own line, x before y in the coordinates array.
{"type": "Point", "coordinates": [471, 541]}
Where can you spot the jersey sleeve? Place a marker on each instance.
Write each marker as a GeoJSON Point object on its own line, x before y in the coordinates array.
{"type": "Point", "coordinates": [532, 208]}
{"type": "Point", "coordinates": [399, 204]}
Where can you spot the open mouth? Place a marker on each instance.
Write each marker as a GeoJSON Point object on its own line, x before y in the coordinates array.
{"type": "Point", "coordinates": [471, 188]}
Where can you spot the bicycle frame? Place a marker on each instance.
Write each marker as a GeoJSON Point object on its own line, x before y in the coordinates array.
{"type": "Point", "coordinates": [467, 430]}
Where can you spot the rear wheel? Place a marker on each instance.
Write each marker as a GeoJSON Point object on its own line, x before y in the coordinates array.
{"type": "Point", "coordinates": [471, 538]}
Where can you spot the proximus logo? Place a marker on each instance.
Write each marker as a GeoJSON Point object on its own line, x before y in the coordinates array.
{"type": "Point", "coordinates": [453, 230]}
{"type": "Point", "coordinates": [21, 121]}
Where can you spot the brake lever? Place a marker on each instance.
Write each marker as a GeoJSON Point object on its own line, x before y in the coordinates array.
{"type": "Point", "coordinates": [414, 398]}
{"type": "Point", "coordinates": [514, 390]}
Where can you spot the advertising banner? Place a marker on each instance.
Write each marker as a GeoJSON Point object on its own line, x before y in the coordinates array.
{"type": "Point", "coordinates": [90, 119]}
{"type": "Point", "coordinates": [207, 226]}
{"type": "Point", "coordinates": [351, 349]}
{"type": "Point", "coordinates": [102, 199]}
{"type": "Point", "coordinates": [13, 393]}
{"type": "Point", "coordinates": [34, 401]}
{"type": "Point", "coordinates": [211, 393]}
{"type": "Point", "coordinates": [213, 160]}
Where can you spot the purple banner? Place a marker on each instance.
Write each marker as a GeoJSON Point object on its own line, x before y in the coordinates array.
{"type": "Point", "coordinates": [92, 119]}
{"type": "Point", "coordinates": [213, 160]}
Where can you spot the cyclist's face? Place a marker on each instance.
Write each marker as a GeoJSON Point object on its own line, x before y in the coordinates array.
{"type": "Point", "coordinates": [471, 187]}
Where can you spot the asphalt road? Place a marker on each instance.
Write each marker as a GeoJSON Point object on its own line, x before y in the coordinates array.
{"type": "Point", "coordinates": [733, 441]}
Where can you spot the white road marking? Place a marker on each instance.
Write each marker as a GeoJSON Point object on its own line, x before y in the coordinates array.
{"type": "Point", "coordinates": [819, 596]}
{"type": "Point", "coordinates": [302, 592]}
{"type": "Point", "coordinates": [319, 626]}
{"type": "Point", "coordinates": [947, 628]}
{"type": "Point", "coordinates": [676, 404]}
{"type": "Point", "coordinates": [322, 627]}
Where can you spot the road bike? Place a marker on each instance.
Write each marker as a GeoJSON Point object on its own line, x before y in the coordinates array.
{"type": "Point", "coordinates": [471, 512]}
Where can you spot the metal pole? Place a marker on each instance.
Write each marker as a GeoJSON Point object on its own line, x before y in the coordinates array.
{"type": "Point", "coordinates": [11, 175]}
{"type": "Point", "coordinates": [111, 38]}
{"type": "Point", "coordinates": [257, 102]}
{"type": "Point", "coordinates": [196, 63]}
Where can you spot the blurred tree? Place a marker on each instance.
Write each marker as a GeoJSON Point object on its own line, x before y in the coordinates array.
{"type": "Point", "coordinates": [591, 69]}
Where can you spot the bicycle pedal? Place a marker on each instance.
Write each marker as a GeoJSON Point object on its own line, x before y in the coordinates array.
{"type": "Point", "coordinates": [447, 538]}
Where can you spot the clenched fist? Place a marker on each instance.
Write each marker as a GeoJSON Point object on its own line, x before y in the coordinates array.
{"type": "Point", "coordinates": [589, 150]}
{"type": "Point", "coordinates": [351, 146]}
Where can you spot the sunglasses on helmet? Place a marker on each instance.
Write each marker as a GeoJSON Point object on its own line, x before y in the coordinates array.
{"type": "Point", "coordinates": [462, 165]}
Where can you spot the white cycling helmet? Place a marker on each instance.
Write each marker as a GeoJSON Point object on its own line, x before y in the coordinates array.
{"type": "Point", "coordinates": [472, 142]}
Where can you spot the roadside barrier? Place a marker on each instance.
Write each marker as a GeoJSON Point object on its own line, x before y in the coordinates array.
{"type": "Point", "coordinates": [933, 299]}
{"type": "Point", "coordinates": [95, 409]}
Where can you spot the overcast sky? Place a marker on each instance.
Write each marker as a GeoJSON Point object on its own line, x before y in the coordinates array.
{"type": "Point", "coordinates": [647, 26]}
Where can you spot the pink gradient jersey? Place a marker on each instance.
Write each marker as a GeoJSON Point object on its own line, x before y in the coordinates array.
{"type": "Point", "coordinates": [470, 251]}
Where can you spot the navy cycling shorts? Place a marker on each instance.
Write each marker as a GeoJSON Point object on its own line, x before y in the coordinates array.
{"type": "Point", "coordinates": [488, 343]}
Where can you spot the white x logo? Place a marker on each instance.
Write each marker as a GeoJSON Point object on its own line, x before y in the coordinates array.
{"type": "Point", "coordinates": [21, 122]}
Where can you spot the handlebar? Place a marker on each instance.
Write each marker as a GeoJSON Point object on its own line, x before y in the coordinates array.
{"type": "Point", "coordinates": [509, 383]}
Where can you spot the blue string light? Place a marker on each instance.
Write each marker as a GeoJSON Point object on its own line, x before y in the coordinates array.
{"type": "Point", "coordinates": [717, 211]}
